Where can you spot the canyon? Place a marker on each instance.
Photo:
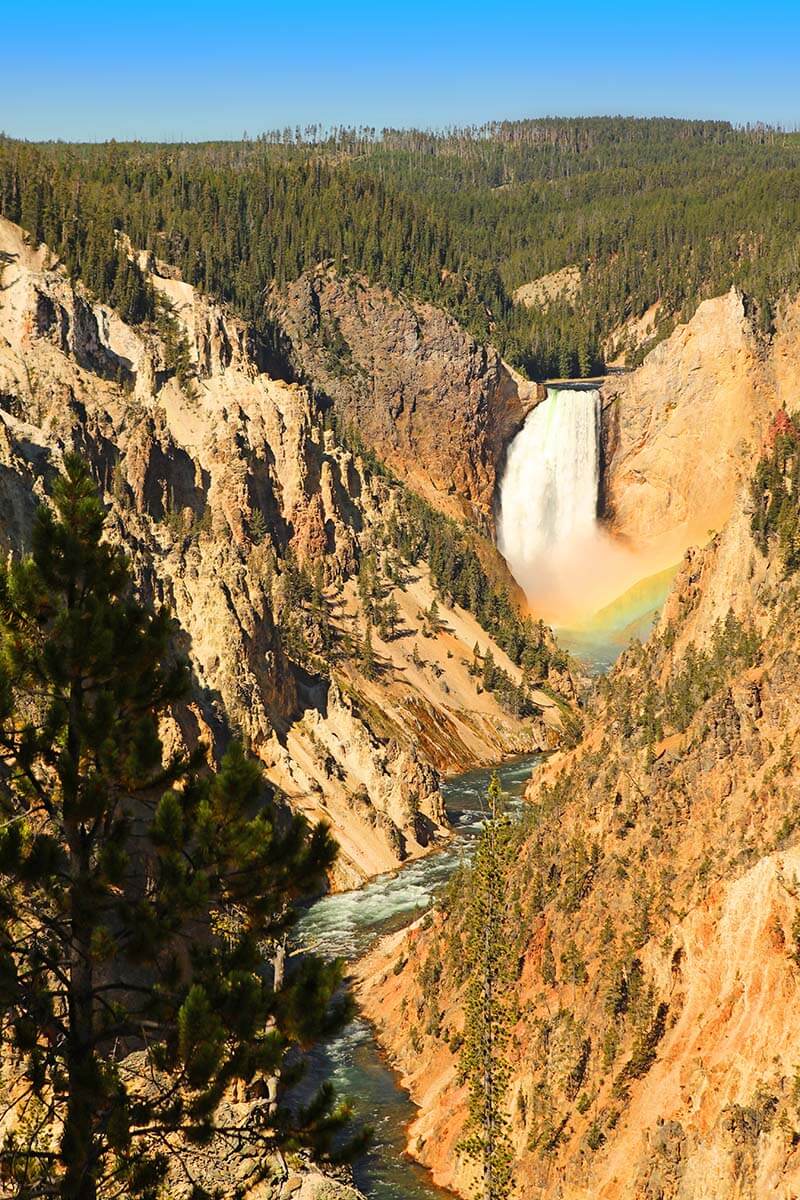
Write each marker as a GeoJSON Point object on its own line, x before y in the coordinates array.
{"type": "Point", "coordinates": [653, 907]}
{"type": "Point", "coordinates": [221, 487]}
{"type": "Point", "coordinates": [265, 534]}
{"type": "Point", "coordinates": [463, 466]}
{"type": "Point", "coordinates": [231, 483]}
{"type": "Point", "coordinates": [705, 390]}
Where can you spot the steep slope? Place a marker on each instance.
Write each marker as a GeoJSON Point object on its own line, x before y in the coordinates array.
{"type": "Point", "coordinates": [431, 402]}
{"type": "Point", "coordinates": [653, 908]}
{"type": "Point", "coordinates": [679, 433]}
{"type": "Point", "coordinates": [251, 521]}
{"type": "Point", "coordinates": [677, 430]}
{"type": "Point", "coordinates": [556, 285]}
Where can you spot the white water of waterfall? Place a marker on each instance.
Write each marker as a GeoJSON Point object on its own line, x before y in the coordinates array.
{"type": "Point", "coordinates": [549, 493]}
{"type": "Point", "coordinates": [547, 522]}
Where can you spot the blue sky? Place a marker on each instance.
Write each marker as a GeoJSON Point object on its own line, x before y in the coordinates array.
{"type": "Point", "coordinates": [178, 70]}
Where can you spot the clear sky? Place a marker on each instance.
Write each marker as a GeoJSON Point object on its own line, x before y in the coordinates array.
{"type": "Point", "coordinates": [79, 69]}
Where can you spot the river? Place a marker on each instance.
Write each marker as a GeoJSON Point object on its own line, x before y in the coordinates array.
{"type": "Point", "coordinates": [348, 924]}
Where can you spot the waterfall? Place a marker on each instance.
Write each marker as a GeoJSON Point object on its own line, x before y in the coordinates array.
{"type": "Point", "coordinates": [548, 496]}
{"type": "Point", "coordinates": [547, 522]}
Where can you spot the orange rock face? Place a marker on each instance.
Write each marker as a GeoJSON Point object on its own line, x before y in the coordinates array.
{"type": "Point", "coordinates": [437, 407]}
{"type": "Point", "coordinates": [662, 855]}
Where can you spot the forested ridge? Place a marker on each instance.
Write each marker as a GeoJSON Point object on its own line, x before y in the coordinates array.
{"type": "Point", "coordinates": [655, 210]}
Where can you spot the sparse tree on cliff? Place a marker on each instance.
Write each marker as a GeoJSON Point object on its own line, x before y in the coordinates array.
{"type": "Point", "coordinates": [484, 1064]}
{"type": "Point", "coordinates": [548, 965]}
{"type": "Point", "coordinates": [489, 671]}
{"type": "Point", "coordinates": [137, 899]}
{"type": "Point", "coordinates": [391, 616]}
{"type": "Point", "coordinates": [367, 652]}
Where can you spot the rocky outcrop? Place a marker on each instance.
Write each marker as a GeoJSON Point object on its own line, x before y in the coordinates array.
{"type": "Point", "coordinates": [431, 402]}
{"type": "Point", "coordinates": [563, 285]}
{"type": "Point", "coordinates": [677, 431]}
{"type": "Point", "coordinates": [224, 486]}
{"type": "Point", "coordinates": [243, 1166]}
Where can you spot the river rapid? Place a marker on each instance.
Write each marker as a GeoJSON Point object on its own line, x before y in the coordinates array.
{"type": "Point", "coordinates": [347, 925]}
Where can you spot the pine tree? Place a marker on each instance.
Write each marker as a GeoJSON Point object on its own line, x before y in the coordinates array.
{"type": "Point", "coordinates": [433, 620]}
{"type": "Point", "coordinates": [484, 1063]}
{"type": "Point", "coordinates": [564, 361]}
{"type": "Point", "coordinates": [137, 897]}
{"type": "Point", "coordinates": [319, 610]}
{"type": "Point", "coordinates": [258, 527]}
{"type": "Point", "coordinates": [489, 671]}
{"type": "Point", "coordinates": [574, 965]}
{"type": "Point", "coordinates": [367, 655]}
{"type": "Point", "coordinates": [548, 967]}
{"type": "Point", "coordinates": [584, 358]}
{"type": "Point", "coordinates": [607, 933]}
{"type": "Point", "coordinates": [391, 616]}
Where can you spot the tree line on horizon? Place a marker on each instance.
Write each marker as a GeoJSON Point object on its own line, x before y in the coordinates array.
{"type": "Point", "coordinates": [650, 211]}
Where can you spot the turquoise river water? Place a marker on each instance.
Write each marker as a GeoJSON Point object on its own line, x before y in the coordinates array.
{"type": "Point", "coordinates": [348, 924]}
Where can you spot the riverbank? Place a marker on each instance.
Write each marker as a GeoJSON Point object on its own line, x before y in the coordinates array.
{"type": "Point", "coordinates": [350, 925]}
{"type": "Point", "coordinates": [381, 984]}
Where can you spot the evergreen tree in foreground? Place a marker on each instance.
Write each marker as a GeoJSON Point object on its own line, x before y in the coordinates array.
{"type": "Point", "coordinates": [139, 902]}
{"type": "Point", "coordinates": [484, 1064]}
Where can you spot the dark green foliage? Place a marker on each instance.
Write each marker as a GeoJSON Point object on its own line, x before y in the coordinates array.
{"type": "Point", "coordinates": [577, 1074]}
{"type": "Point", "coordinates": [337, 349]}
{"type": "Point", "coordinates": [579, 865]}
{"type": "Point", "coordinates": [302, 614]}
{"type": "Point", "coordinates": [647, 1036]}
{"type": "Point", "coordinates": [698, 676]}
{"type": "Point", "coordinates": [366, 655]}
{"type": "Point", "coordinates": [548, 965]}
{"type": "Point", "coordinates": [422, 533]}
{"type": "Point", "coordinates": [624, 987]}
{"type": "Point", "coordinates": [648, 1022]}
{"type": "Point", "coordinates": [432, 623]}
{"type": "Point", "coordinates": [389, 618]}
{"type": "Point", "coordinates": [483, 1061]}
{"type": "Point", "coordinates": [573, 963]}
{"type": "Point", "coordinates": [138, 900]}
{"type": "Point", "coordinates": [595, 1136]}
{"type": "Point", "coordinates": [419, 533]}
{"type": "Point", "coordinates": [649, 210]}
{"type": "Point", "coordinates": [514, 697]}
{"type": "Point", "coordinates": [702, 674]}
{"type": "Point", "coordinates": [775, 494]}
{"type": "Point", "coordinates": [176, 344]}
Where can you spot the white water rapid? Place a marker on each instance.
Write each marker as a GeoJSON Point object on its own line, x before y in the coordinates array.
{"type": "Point", "coordinates": [547, 526]}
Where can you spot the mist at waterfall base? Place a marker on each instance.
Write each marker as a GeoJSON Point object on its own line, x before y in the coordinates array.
{"type": "Point", "coordinates": [568, 565]}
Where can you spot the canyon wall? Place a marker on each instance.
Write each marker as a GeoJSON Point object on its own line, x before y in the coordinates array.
{"type": "Point", "coordinates": [441, 410]}
{"type": "Point", "coordinates": [431, 402]}
{"type": "Point", "coordinates": [680, 429]}
{"type": "Point", "coordinates": [654, 909]}
{"type": "Point", "coordinates": [224, 485]}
